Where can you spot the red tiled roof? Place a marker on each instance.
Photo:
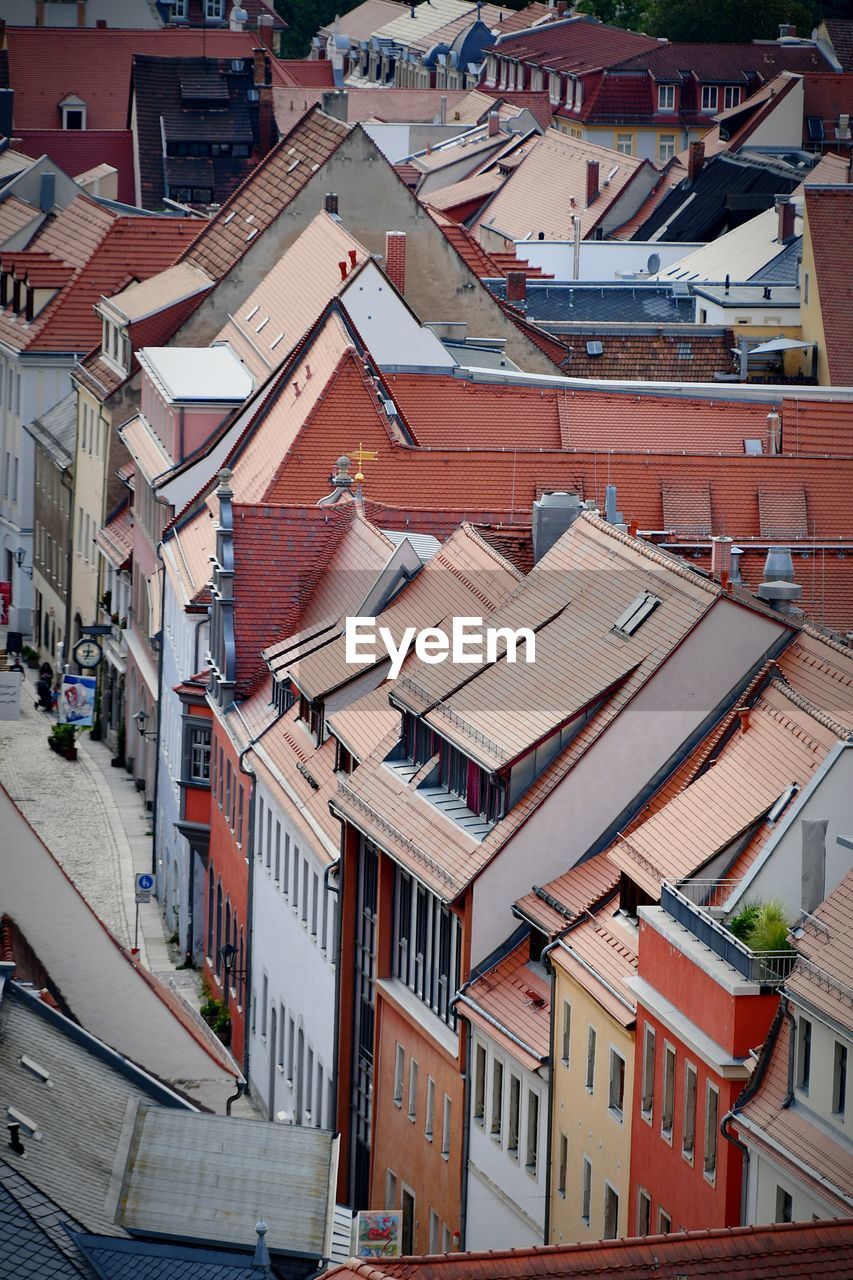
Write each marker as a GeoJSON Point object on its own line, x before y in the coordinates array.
{"type": "Point", "coordinates": [828, 94]}
{"type": "Point", "coordinates": [600, 953]}
{"type": "Point", "coordinates": [824, 977]}
{"type": "Point", "coordinates": [691, 356]}
{"type": "Point", "coordinates": [105, 252]}
{"type": "Point", "coordinates": [577, 44]}
{"type": "Point", "coordinates": [305, 73]}
{"type": "Point", "coordinates": [116, 537]}
{"type": "Point", "coordinates": [76, 151]}
{"type": "Point", "coordinates": [840, 32]}
{"type": "Point", "coordinates": [779, 1251]}
{"type": "Point", "coordinates": [266, 192]}
{"type": "Point", "coordinates": [723, 63]}
{"type": "Point", "coordinates": [15, 215]}
{"type": "Point", "coordinates": [517, 998]}
{"type": "Point", "coordinates": [829, 227]}
{"type": "Point", "coordinates": [583, 887]}
{"type": "Point", "coordinates": [47, 63]}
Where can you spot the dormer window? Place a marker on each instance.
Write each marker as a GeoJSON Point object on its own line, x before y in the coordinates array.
{"type": "Point", "coordinates": [214, 10]}
{"type": "Point", "coordinates": [554, 87]}
{"type": "Point", "coordinates": [636, 613]}
{"type": "Point", "coordinates": [180, 10]}
{"type": "Point", "coordinates": [115, 346]}
{"type": "Point", "coordinates": [283, 696]}
{"type": "Point", "coordinates": [731, 96]}
{"type": "Point", "coordinates": [73, 112]}
{"type": "Point", "coordinates": [311, 715]}
{"type": "Point", "coordinates": [710, 97]}
{"type": "Point", "coordinates": [666, 97]}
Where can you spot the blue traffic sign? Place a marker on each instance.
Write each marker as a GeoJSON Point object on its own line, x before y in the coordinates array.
{"type": "Point", "coordinates": [145, 882]}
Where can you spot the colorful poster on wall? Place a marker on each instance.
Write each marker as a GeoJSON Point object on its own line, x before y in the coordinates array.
{"type": "Point", "coordinates": [77, 701]}
{"type": "Point", "coordinates": [378, 1233]}
{"type": "Point", "coordinates": [5, 601]}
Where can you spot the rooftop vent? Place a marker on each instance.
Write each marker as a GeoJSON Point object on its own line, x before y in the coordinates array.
{"type": "Point", "coordinates": [636, 613]}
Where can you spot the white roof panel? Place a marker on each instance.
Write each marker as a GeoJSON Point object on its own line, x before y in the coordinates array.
{"type": "Point", "coordinates": [198, 373]}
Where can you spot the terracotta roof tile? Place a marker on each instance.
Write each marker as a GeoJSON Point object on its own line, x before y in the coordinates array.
{"type": "Point", "coordinates": [782, 513]}
{"type": "Point", "coordinates": [515, 995]}
{"type": "Point", "coordinates": [15, 216]}
{"type": "Point", "coordinates": [304, 72]}
{"type": "Point", "coordinates": [577, 44]}
{"type": "Point", "coordinates": [824, 977]}
{"type": "Point", "coordinates": [116, 538]}
{"type": "Point", "coordinates": [582, 888]}
{"type": "Point", "coordinates": [840, 31]}
{"type": "Point", "coordinates": [829, 227]}
{"type": "Point", "coordinates": [708, 62]}
{"type": "Point", "coordinates": [687, 509]}
{"type": "Point", "coordinates": [267, 190]}
{"type": "Point", "coordinates": [600, 952]}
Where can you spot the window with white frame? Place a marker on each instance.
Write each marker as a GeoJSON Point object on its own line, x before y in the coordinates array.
{"type": "Point", "coordinates": [413, 1091]}
{"type": "Point", "coordinates": [479, 1083]}
{"type": "Point", "coordinates": [434, 1231]}
{"type": "Point", "coordinates": [666, 97]}
{"type": "Point", "coordinates": [710, 97]}
{"type": "Point", "coordinates": [611, 1213]}
{"type": "Point", "coordinates": [567, 1033]}
{"type": "Point", "coordinates": [784, 1205]}
{"type": "Point", "coordinates": [554, 87]}
{"type": "Point", "coordinates": [664, 1222]}
{"type": "Point", "coordinates": [590, 1058]}
{"type": "Point", "coordinates": [214, 10]}
{"type": "Point", "coordinates": [644, 1212]}
{"type": "Point", "coordinates": [616, 1099]}
{"type": "Point", "coordinates": [497, 1118]}
{"type": "Point", "coordinates": [200, 753]}
{"type": "Point", "coordinates": [647, 1097]}
{"type": "Point", "coordinates": [731, 96]}
{"type": "Point", "coordinates": [446, 1120]}
{"type": "Point", "coordinates": [399, 1067]}
{"type": "Point", "coordinates": [839, 1078]}
{"type": "Point", "coordinates": [532, 1161]}
{"type": "Point", "coordinates": [688, 1132]}
{"type": "Point", "coordinates": [180, 10]}
{"type": "Point", "coordinates": [712, 1115]}
{"type": "Point", "coordinates": [513, 1116]}
{"type": "Point", "coordinates": [666, 147]}
{"type": "Point", "coordinates": [563, 1165]}
{"type": "Point", "coordinates": [425, 946]}
{"type": "Point", "coordinates": [625, 144]}
{"type": "Point", "coordinates": [429, 1121]}
{"type": "Point", "coordinates": [391, 1191]}
{"type": "Point", "coordinates": [668, 1102]}
{"type": "Point", "coordinates": [586, 1190]}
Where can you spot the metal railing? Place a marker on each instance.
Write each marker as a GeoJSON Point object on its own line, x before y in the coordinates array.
{"type": "Point", "coordinates": [767, 968]}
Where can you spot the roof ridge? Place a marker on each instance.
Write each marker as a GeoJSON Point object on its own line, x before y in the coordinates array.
{"type": "Point", "coordinates": [844, 732]}
{"type": "Point", "coordinates": [653, 553]}
{"type": "Point", "coordinates": [472, 532]}
{"type": "Point", "coordinates": [817, 634]}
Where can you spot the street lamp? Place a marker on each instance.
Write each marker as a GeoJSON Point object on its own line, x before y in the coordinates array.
{"type": "Point", "coordinates": [228, 956]}
{"type": "Point", "coordinates": [20, 555]}
{"type": "Point", "coordinates": [141, 719]}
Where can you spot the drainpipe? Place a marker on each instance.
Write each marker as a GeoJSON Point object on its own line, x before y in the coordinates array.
{"type": "Point", "coordinates": [250, 855]}
{"type": "Point", "coordinates": [336, 1037]}
{"type": "Point", "coordinates": [549, 968]}
{"type": "Point", "coordinates": [466, 1140]}
{"type": "Point", "coordinates": [190, 952]}
{"type": "Point", "coordinates": [67, 484]}
{"type": "Point", "coordinates": [155, 824]}
{"type": "Point", "coordinates": [792, 1049]}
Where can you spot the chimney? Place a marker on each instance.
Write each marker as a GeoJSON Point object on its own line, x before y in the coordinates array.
{"type": "Point", "coordinates": [774, 433]}
{"type": "Point", "coordinates": [266, 120]}
{"type": "Point", "coordinates": [330, 203]}
{"type": "Point", "coordinates": [336, 103]}
{"type": "Point", "coordinates": [342, 267]}
{"type": "Point", "coordinates": [695, 160]}
{"type": "Point", "coordinates": [259, 60]}
{"type": "Point", "coordinates": [786, 212]}
{"type": "Point", "coordinates": [395, 259]}
{"type": "Point", "coordinates": [553, 514]}
{"type": "Point", "coordinates": [787, 30]}
{"type": "Point", "coordinates": [778, 588]}
{"type": "Point", "coordinates": [742, 713]}
{"type": "Point", "coordinates": [591, 181]}
{"type": "Point", "coordinates": [735, 553]}
{"type": "Point", "coordinates": [516, 286]}
{"type": "Point", "coordinates": [265, 25]}
{"type": "Point", "coordinates": [721, 558]}
{"type": "Point", "coordinates": [494, 124]}
{"type": "Point", "coordinates": [611, 515]}
{"type": "Point", "coordinates": [442, 109]}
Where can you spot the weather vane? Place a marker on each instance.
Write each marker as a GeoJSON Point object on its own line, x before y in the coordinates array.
{"type": "Point", "coordinates": [362, 455]}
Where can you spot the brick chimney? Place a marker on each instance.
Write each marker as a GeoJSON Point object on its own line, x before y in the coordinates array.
{"type": "Point", "coordinates": [494, 124]}
{"type": "Point", "coordinates": [516, 286]}
{"type": "Point", "coordinates": [259, 76]}
{"type": "Point", "coordinates": [591, 181]}
{"type": "Point", "coordinates": [721, 559]}
{"type": "Point", "coordinates": [395, 259]}
{"type": "Point", "coordinates": [786, 212]}
{"type": "Point", "coordinates": [695, 160]}
{"type": "Point", "coordinates": [330, 203]}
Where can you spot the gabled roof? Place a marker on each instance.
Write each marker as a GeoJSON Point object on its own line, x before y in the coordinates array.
{"type": "Point", "coordinates": [46, 63]}
{"type": "Point", "coordinates": [15, 217]}
{"type": "Point", "coordinates": [673, 61]}
{"type": "Point", "coordinates": [360, 22]}
{"type": "Point", "coordinates": [511, 1003]}
{"type": "Point", "coordinates": [577, 44]}
{"type": "Point", "coordinates": [584, 887]}
{"type": "Point", "coordinates": [599, 951]}
{"type": "Point", "coordinates": [115, 539]}
{"type": "Point", "coordinates": [266, 192]}
{"type": "Point", "coordinates": [840, 32]}
{"type": "Point", "coordinates": [549, 187]}
{"type": "Point", "coordinates": [824, 976]}
{"type": "Point", "coordinates": [701, 209]}
{"type": "Point", "coordinates": [98, 253]}
{"type": "Point", "coordinates": [829, 227]}
{"type": "Point", "coordinates": [780, 1251]}
{"type": "Point", "coordinates": [35, 1232]}
{"type": "Point", "coordinates": [423, 20]}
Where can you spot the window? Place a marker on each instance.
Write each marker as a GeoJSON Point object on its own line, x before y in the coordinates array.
{"type": "Point", "coordinates": [315, 903]}
{"type": "Point", "coordinates": [73, 118]}
{"type": "Point", "coordinates": [200, 755]}
{"type": "Point", "coordinates": [611, 1213]}
{"type": "Point", "coordinates": [399, 1067]}
{"type": "Point", "coordinates": [712, 1110]}
{"type": "Point", "coordinates": [479, 1083]}
{"type": "Point", "coordinates": [390, 1189]}
{"type": "Point", "coordinates": [688, 1136]}
{"type": "Point", "coordinates": [590, 1058]}
{"type": "Point", "coordinates": [666, 147]}
{"type": "Point", "coordinates": [647, 1100]}
{"type": "Point", "coordinates": [304, 914]}
{"type": "Point", "coordinates": [644, 1212]}
{"type": "Point", "coordinates": [179, 9]}
{"type": "Point", "coordinates": [563, 1165]}
{"type": "Point", "coordinates": [282, 1038]}
{"type": "Point", "coordinates": [664, 1223]}
{"type": "Point", "coordinates": [666, 97]}
{"type": "Point", "coordinates": [259, 839]}
{"type": "Point", "coordinates": [784, 1206]}
{"type": "Point", "coordinates": [617, 1083]}
{"type": "Point", "coordinates": [295, 894]}
{"type": "Point", "coordinates": [625, 144]}
{"type": "Point", "coordinates": [586, 1190]}
{"type": "Point", "coordinates": [710, 96]}
{"type": "Point", "coordinates": [446, 1115]}
{"type": "Point", "coordinates": [214, 10]}
{"type": "Point", "coordinates": [277, 871]}
{"type": "Point", "coordinates": [636, 613]}
{"type": "Point", "coordinates": [408, 1232]}
{"type": "Point", "coordinates": [496, 1125]}
{"type": "Point", "coordinates": [567, 1032]}
{"type": "Point", "coordinates": [532, 1161]}
{"type": "Point", "coordinates": [804, 1054]}
{"type": "Point", "coordinates": [269, 830]}
{"type": "Point", "coordinates": [434, 1231]}
{"type": "Point", "coordinates": [731, 95]}
{"type": "Point", "coordinates": [240, 817]}
{"type": "Point", "coordinates": [668, 1106]}
{"type": "Point", "coordinates": [291, 1042]}
{"type": "Point", "coordinates": [413, 1090]}
{"type": "Point", "coordinates": [514, 1116]}
{"type": "Point", "coordinates": [839, 1079]}
{"type": "Point", "coordinates": [429, 1123]}
{"type": "Point", "coordinates": [285, 875]}
{"type": "Point", "coordinates": [425, 946]}
{"type": "Point", "coordinates": [264, 1005]}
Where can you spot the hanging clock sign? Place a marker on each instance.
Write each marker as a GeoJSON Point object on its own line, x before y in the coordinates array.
{"type": "Point", "coordinates": [87, 653]}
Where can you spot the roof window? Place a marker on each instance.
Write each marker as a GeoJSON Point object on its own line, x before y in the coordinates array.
{"type": "Point", "coordinates": [636, 613]}
{"type": "Point", "coordinates": [753, 447]}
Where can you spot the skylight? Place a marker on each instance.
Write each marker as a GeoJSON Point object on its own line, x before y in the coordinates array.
{"type": "Point", "coordinates": [636, 613]}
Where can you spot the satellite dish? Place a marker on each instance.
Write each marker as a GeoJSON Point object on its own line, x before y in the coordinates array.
{"type": "Point", "coordinates": [653, 264]}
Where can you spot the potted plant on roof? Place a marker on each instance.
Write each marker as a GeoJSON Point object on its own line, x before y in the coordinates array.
{"type": "Point", "coordinates": [62, 740]}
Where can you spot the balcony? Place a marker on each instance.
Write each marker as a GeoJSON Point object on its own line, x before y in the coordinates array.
{"type": "Point", "coordinates": [698, 906]}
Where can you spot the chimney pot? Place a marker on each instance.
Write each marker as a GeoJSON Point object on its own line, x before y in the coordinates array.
{"type": "Point", "coordinates": [695, 160]}
{"type": "Point", "coordinates": [774, 430]}
{"type": "Point", "coordinates": [494, 124]}
{"type": "Point", "coordinates": [442, 109]}
{"type": "Point", "coordinates": [786, 212]}
{"type": "Point", "coordinates": [591, 181]}
{"type": "Point", "coordinates": [342, 267]}
{"type": "Point", "coordinates": [516, 286]}
{"type": "Point", "coordinates": [352, 257]}
{"type": "Point", "coordinates": [743, 716]}
{"type": "Point", "coordinates": [395, 259]}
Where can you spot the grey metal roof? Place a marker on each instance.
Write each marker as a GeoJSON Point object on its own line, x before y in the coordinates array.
{"type": "Point", "coordinates": [77, 1099]}
{"type": "Point", "coordinates": [56, 430]}
{"type": "Point", "coordinates": [784, 268]}
{"type": "Point", "coordinates": [204, 1177]}
{"type": "Point", "coordinates": [142, 1260]}
{"type": "Point", "coordinates": [34, 1242]}
{"type": "Point", "coordinates": [424, 544]}
{"type": "Point", "coordinates": [626, 302]}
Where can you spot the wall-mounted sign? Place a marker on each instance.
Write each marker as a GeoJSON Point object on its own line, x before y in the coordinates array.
{"type": "Point", "coordinates": [77, 701]}
{"type": "Point", "coordinates": [378, 1233]}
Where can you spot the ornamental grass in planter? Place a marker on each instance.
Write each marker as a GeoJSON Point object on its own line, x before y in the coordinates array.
{"type": "Point", "coordinates": [62, 740]}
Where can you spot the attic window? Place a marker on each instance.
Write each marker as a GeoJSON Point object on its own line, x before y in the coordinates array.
{"type": "Point", "coordinates": [252, 312]}
{"type": "Point", "coordinates": [683, 351]}
{"type": "Point", "coordinates": [595, 348]}
{"type": "Point", "coordinates": [636, 613]}
{"type": "Point", "coordinates": [276, 340]}
{"type": "Point", "coordinates": [40, 1073]}
{"type": "Point", "coordinates": [252, 234]}
{"type": "Point", "coordinates": [782, 803]}
{"type": "Point", "coordinates": [265, 320]}
{"type": "Point", "coordinates": [753, 447]}
{"type": "Point", "coordinates": [73, 112]}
